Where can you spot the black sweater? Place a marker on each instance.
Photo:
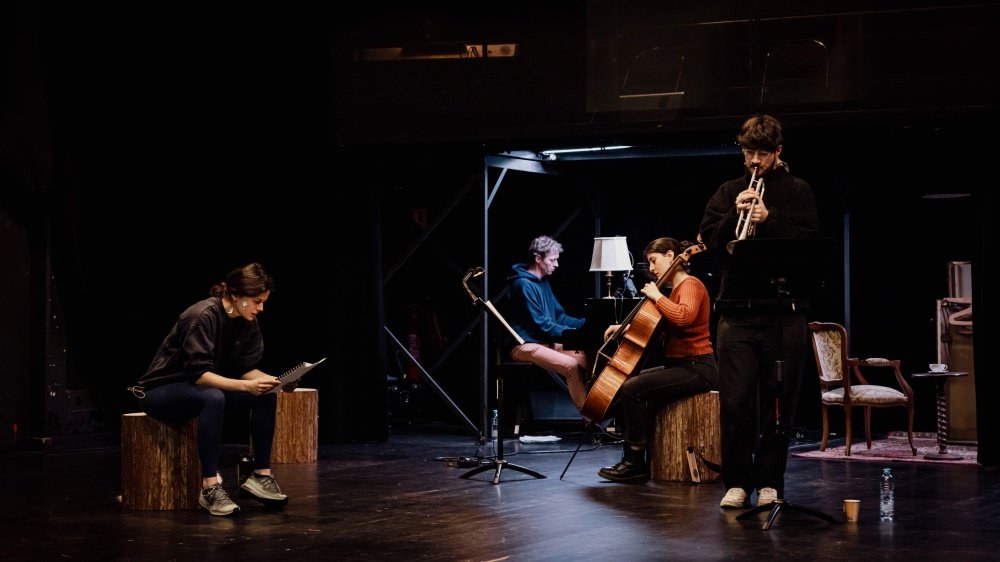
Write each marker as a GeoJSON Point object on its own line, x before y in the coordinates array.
{"type": "Point", "coordinates": [790, 204]}
{"type": "Point", "coordinates": [204, 338]}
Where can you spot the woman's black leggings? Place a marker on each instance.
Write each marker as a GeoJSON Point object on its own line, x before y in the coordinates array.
{"type": "Point", "coordinates": [175, 403]}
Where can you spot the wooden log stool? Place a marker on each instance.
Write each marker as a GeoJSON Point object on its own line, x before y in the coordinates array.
{"type": "Point", "coordinates": [160, 465]}
{"type": "Point", "coordinates": [685, 434]}
{"type": "Point", "coordinates": [296, 432]}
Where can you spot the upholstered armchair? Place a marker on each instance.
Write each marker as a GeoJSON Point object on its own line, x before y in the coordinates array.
{"type": "Point", "coordinates": [842, 383]}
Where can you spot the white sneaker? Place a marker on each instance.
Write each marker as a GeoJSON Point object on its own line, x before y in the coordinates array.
{"type": "Point", "coordinates": [766, 496]}
{"type": "Point", "coordinates": [734, 498]}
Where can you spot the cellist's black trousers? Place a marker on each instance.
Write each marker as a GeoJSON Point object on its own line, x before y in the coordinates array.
{"type": "Point", "coordinates": [676, 379]}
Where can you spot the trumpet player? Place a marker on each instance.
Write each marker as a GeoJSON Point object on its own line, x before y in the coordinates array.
{"type": "Point", "coordinates": [765, 202]}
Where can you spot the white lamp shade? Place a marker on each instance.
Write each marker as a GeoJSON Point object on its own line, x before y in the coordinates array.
{"type": "Point", "coordinates": [611, 254]}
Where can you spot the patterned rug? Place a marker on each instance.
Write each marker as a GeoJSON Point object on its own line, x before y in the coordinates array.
{"type": "Point", "coordinates": [895, 447]}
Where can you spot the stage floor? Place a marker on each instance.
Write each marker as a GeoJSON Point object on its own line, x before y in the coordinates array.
{"type": "Point", "coordinates": [402, 500]}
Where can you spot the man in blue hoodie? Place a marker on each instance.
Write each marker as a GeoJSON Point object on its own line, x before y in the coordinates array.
{"type": "Point", "coordinates": [541, 321]}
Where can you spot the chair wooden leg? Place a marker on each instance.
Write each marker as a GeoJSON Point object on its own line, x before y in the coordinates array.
{"type": "Point", "coordinates": [826, 429]}
{"type": "Point", "coordinates": [847, 425]}
{"type": "Point", "coordinates": [868, 426]}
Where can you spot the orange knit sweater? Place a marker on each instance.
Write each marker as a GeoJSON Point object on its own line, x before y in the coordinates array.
{"type": "Point", "coordinates": [686, 313]}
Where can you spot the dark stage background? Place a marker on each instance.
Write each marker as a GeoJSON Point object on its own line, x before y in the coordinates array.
{"type": "Point", "coordinates": [147, 153]}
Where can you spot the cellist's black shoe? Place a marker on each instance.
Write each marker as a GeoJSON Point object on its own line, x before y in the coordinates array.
{"type": "Point", "coordinates": [633, 466]}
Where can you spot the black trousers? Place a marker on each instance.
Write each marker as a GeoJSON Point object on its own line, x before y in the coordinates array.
{"type": "Point", "coordinates": [749, 345]}
{"type": "Point", "coordinates": [175, 403]}
{"type": "Point", "coordinates": [677, 378]}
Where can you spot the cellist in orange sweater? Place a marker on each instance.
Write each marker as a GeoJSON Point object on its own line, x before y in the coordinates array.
{"type": "Point", "coordinates": [688, 366]}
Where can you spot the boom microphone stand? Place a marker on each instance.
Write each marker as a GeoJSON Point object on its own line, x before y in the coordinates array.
{"type": "Point", "coordinates": [498, 463]}
{"type": "Point", "coordinates": [760, 260]}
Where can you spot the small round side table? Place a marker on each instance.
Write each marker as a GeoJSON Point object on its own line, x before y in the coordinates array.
{"type": "Point", "coordinates": [941, 378]}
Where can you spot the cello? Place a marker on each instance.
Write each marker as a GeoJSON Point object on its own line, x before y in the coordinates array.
{"type": "Point", "coordinates": [630, 341]}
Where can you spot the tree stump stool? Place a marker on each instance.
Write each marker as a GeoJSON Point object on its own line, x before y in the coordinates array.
{"type": "Point", "coordinates": [160, 465]}
{"type": "Point", "coordinates": [685, 434]}
{"type": "Point", "coordinates": [296, 432]}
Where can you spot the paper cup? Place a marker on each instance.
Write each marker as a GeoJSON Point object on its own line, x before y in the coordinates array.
{"type": "Point", "coordinates": [852, 509]}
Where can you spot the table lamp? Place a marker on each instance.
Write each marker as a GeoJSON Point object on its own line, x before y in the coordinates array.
{"type": "Point", "coordinates": [610, 254]}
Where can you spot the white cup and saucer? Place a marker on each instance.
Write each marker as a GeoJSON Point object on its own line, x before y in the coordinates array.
{"type": "Point", "coordinates": [938, 367]}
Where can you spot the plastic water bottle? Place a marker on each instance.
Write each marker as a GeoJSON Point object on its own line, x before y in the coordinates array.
{"type": "Point", "coordinates": [493, 426]}
{"type": "Point", "coordinates": [887, 496]}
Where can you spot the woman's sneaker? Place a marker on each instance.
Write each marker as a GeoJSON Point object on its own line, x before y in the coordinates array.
{"type": "Point", "coordinates": [217, 502]}
{"type": "Point", "coordinates": [263, 489]}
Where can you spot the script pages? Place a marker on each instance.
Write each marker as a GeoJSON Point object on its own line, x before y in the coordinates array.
{"type": "Point", "coordinates": [294, 374]}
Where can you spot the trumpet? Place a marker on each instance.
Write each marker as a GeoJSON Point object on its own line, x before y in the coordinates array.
{"type": "Point", "coordinates": [745, 227]}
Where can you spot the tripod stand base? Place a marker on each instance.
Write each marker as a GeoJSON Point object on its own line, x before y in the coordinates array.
{"type": "Point", "coordinates": [779, 505]}
{"type": "Point", "coordinates": [499, 465]}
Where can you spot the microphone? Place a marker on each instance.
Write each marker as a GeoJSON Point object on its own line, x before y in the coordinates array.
{"type": "Point", "coordinates": [629, 288]}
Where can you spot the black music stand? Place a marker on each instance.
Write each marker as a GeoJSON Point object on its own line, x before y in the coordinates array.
{"type": "Point", "coordinates": [773, 269]}
{"type": "Point", "coordinates": [498, 463]}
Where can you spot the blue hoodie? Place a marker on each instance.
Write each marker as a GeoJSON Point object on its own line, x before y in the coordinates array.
{"type": "Point", "coordinates": [536, 315]}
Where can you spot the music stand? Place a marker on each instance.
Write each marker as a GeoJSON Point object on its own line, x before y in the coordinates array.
{"type": "Point", "coordinates": [498, 463]}
{"type": "Point", "coordinates": [771, 269]}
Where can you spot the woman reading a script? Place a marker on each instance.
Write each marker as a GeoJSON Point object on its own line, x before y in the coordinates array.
{"type": "Point", "coordinates": [208, 362]}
